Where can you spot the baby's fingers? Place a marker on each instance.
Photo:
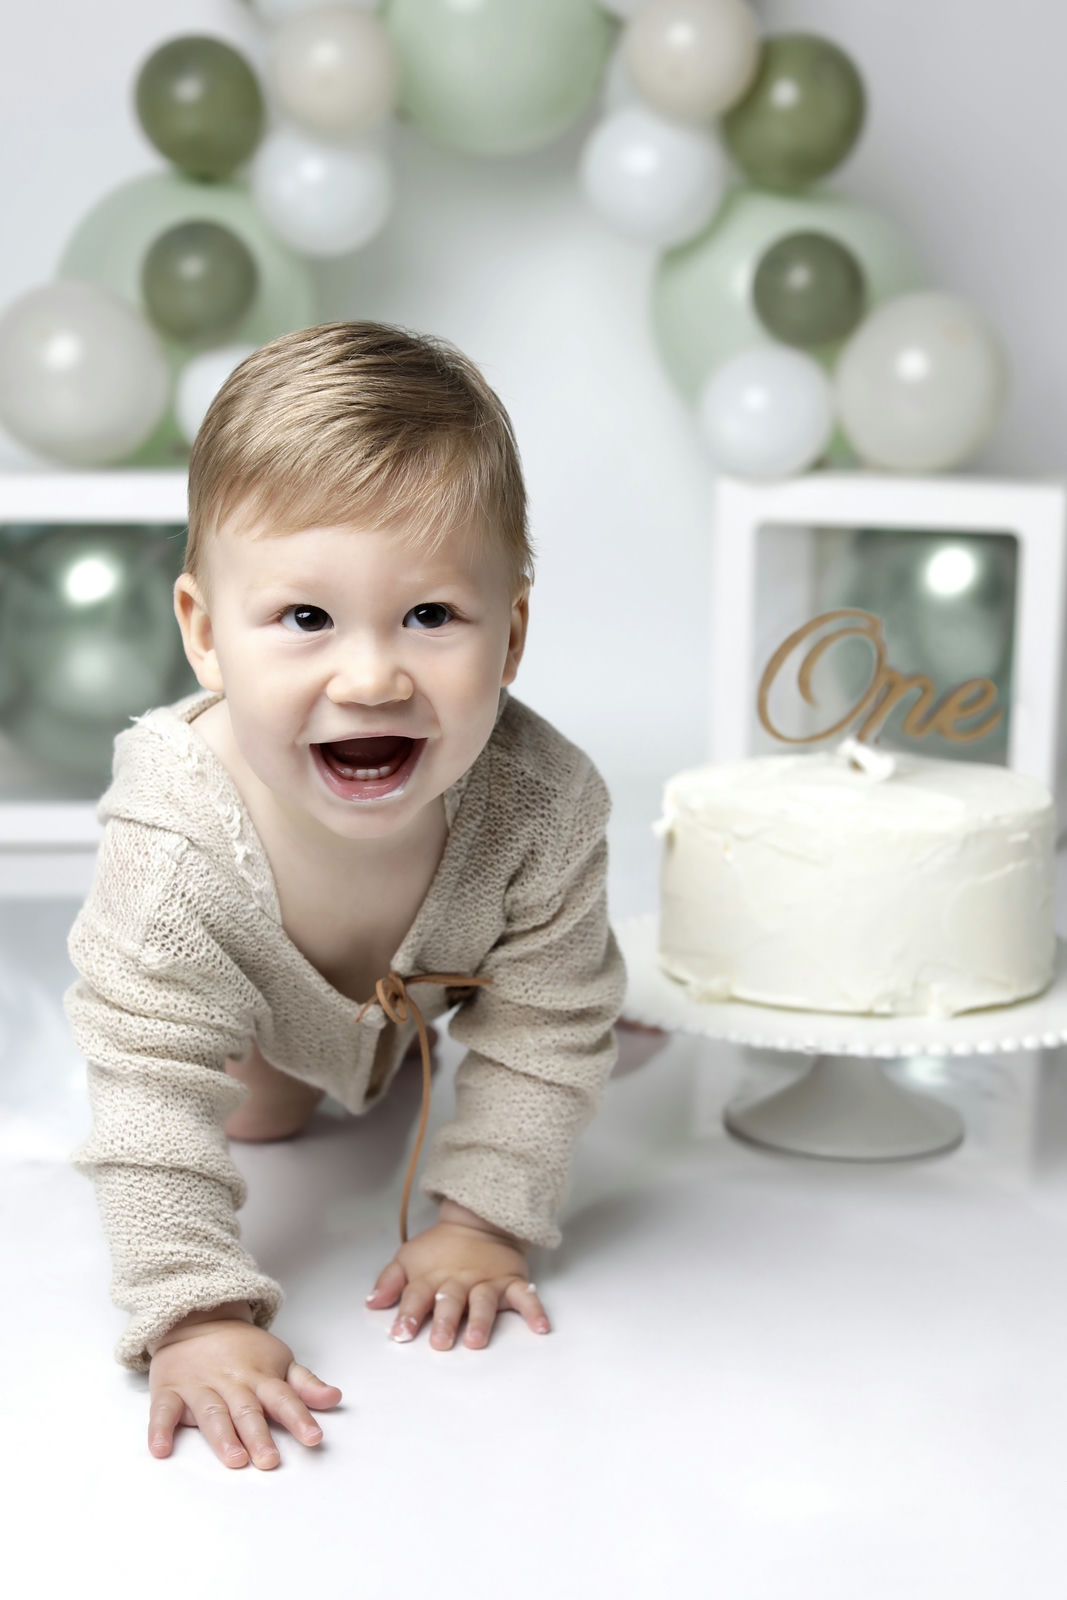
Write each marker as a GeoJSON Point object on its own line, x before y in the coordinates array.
{"type": "Point", "coordinates": [387, 1290]}
{"type": "Point", "coordinates": [523, 1298]}
{"type": "Point", "coordinates": [163, 1417]}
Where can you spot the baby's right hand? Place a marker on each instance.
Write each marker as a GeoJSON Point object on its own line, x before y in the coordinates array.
{"type": "Point", "coordinates": [221, 1377]}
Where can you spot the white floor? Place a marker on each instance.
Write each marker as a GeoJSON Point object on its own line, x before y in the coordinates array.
{"type": "Point", "coordinates": [768, 1377]}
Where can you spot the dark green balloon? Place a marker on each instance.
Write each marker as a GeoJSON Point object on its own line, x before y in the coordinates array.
{"type": "Point", "coordinates": [809, 290]}
{"type": "Point", "coordinates": [200, 104]}
{"type": "Point", "coordinates": [197, 280]}
{"type": "Point", "coordinates": [802, 115]}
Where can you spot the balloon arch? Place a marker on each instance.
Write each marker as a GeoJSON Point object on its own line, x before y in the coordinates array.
{"type": "Point", "coordinates": [792, 319]}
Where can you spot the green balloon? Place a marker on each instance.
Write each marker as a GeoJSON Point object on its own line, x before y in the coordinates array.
{"type": "Point", "coordinates": [703, 310]}
{"type": "Point", "coordinates": [197, 281]}
{"type": "Point", "coordinates": [802, 115]}
{"type": "Point", "coordinates": [809, 290]}
{"type": "Point", "coordinates": [87, 631]}
{"type": "Point", "coordinates": [499, 76]}
{"type": "Point", "coordinates": [200, 104]}
{"type": "Point", "coordinates": [110, 243]}
{"type": "Point", "coordinates": [947, 607]}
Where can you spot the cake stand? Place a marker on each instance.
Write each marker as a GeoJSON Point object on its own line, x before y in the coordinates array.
{"type": "Point", "coordinates": [844, 1108]}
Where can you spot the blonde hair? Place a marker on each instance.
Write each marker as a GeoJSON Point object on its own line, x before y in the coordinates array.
{"type": "Point", "coordinates": [351, 421]}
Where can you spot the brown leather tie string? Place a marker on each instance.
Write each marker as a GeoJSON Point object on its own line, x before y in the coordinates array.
{"type": "Point", "coordinates": [391, 993]}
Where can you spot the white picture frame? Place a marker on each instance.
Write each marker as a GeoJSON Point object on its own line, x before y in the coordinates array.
{"type": "Point", "coordinates": [1035, 512]}
{"type": "Point", "coordinates": [48, 847]}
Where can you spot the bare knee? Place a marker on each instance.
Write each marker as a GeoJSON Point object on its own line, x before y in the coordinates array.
{"type": "Point", "coordinates": [278, 1106]}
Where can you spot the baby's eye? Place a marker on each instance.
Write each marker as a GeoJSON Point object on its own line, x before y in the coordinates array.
{"type": "Point", "coordinates": [431, 615]}
{"type": "Point", "coordinates": [308, 619]}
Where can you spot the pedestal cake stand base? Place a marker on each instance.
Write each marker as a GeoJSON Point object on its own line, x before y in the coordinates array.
{"type": "Point", "coordinates": [844, 1108]}
{"type": "Point", "coordinates": [847, 1109]}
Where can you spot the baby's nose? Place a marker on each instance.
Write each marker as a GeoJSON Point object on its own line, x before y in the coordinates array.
{"type": "Point", "coordinates": [369, 675]}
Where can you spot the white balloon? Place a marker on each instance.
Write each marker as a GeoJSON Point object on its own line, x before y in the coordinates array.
{"type": "Point", "coordinates": [921, 384]}
{"type": "Point", "coordinates": [652, 179]}
{"type": "Point", "coordinates": [273, 11]}
{"type": "Point", "coordinates": [333, 71]}
{"type": "Point", "coordinates": [83, 376]}
{"type": "Point", "coordinates": [767, 413]}
{"type": "Point", "coordinates": [693, 58]}
{"type": "Point", "coordinates": [200, 380]}
{"type": "Point", "coordinates": [322, 199]}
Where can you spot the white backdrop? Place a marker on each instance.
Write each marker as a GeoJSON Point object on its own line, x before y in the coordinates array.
{"type": "Point", "coordinates": [963, 148]}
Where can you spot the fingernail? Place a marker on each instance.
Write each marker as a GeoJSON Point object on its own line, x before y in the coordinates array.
{"type": "Point", "coordinates": [402, 1335]}
{"type": "Point", "coordinates": [372, 1294]}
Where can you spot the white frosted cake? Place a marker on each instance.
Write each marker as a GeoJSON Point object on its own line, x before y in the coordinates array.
{"type": "Point", "coordinates": [916, 887]}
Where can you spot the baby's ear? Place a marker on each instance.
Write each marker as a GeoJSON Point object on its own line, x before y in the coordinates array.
{"type": "Point", "coordinates": [197, 637]}
{"type": "Point", "coordinates": [520, 617]}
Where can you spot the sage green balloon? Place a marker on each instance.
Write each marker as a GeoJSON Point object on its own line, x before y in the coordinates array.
{"type": "Point", "coordinates": [197, 281]}
{"type": "Point", "coordinates": [200, 104]}
{"type": "Point", "coordinates": [802, 115]}
{"type": "Point", "coordinates": [110, 243]}
{"type": "Point", "coordinates": [87, 626]}
{"type": "Point", "coordinates": [497, 77]}
{"type": "Point", "coordinates": [947, 604]}
{"type": "Point", "coordinates": [702, 304]}
{"type": "Point", "coordinates": [809, 290]}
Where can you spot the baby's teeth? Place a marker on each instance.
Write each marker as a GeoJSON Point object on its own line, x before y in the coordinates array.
{"type": "Point", "coordinates": [366, 773]}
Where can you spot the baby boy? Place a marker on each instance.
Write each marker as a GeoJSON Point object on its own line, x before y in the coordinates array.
{"type": "Point", "coordinates": [352, 829]}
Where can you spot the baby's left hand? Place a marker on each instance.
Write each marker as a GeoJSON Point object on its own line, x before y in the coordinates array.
{"type": "Point", "coordinates": [450, 1267]}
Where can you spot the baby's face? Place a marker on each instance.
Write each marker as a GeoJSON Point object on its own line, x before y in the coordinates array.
{"type": "Point", "coordinates": [335, 634]}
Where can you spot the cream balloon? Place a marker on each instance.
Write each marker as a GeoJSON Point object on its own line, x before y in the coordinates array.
{"type": "Point", "coordinates": [921, 384]}
{"type": "Point", "coordinates": [83, 377]}
{"type": "Point", "coordinates": [322, 199]}
{"type": "Point", "coordinates": [275, 11]}
{"type": "Point", "coordinates": [651, 179]}
{"type": "Point", "coordinates": [200, 380]}
{"type": "Point", "coordinates": [693, 59]}
{"type": "Point", "coordinates": [767, 413]}
{"type": "Point", "coordinates": [333, 71]}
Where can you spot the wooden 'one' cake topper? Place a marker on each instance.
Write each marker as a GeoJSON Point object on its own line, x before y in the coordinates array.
{"type": "Point", "coordinates": [886, 689]}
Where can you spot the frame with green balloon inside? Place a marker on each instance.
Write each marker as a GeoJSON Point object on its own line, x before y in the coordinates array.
{"type": "Point", "coordinates": [967, 576]}
{"type": "Point", "coordinates": [88, 642]}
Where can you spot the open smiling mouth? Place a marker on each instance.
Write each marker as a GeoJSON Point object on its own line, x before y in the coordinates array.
{"type": "Point", "coordinates": [368, 769]}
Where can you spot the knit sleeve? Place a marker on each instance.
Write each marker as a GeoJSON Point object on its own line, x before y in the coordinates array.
{"type": "Point", "coordinates": [156, 1009]}
{"type": "Point", "coordinates": [541, 1037]}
